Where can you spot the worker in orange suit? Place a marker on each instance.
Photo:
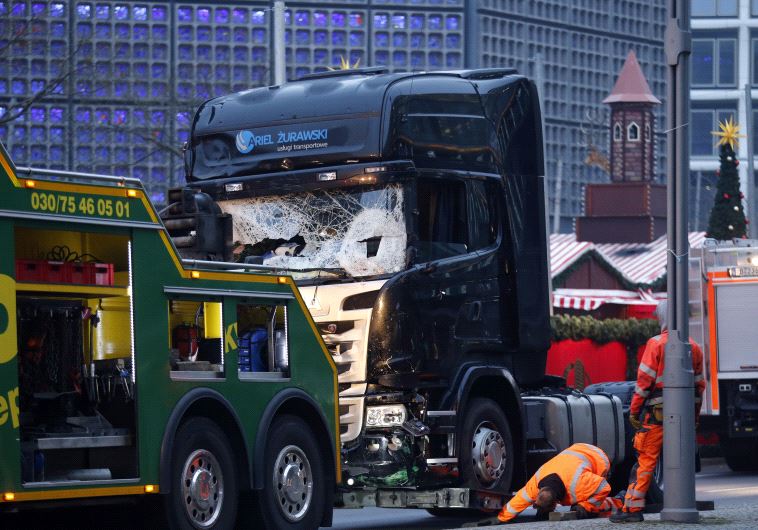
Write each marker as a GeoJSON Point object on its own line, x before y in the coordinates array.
{"type": "Point", "coordinates": [646, 416]}
{"type": "Point", "coordinates": [576, 476]}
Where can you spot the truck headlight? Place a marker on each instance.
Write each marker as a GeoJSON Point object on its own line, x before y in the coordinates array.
{"type": "Point", "coordinates": [385, 415]}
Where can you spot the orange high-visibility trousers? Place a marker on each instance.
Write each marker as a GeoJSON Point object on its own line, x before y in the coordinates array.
{"type": "Point", "coordinates": [648, 442]}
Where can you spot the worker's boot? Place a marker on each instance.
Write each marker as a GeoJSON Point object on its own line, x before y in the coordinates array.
{"type": "Point", "coordinates": [626, 517]}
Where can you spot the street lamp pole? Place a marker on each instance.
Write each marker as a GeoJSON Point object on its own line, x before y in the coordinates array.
{"type": "Point", "coordinates": [678, 390]}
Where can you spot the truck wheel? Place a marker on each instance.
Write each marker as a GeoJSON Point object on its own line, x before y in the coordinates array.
{"type": "Point", "coordinates": [204, 490]}
{"type": "Point", "coordinates": [486, 447]}
{"type": "Point", "coordinates": [486, 453]}
{"type": "Point", "coordinates": [655, 491]}
{"type": "Point", "coordinates": [295, 485]}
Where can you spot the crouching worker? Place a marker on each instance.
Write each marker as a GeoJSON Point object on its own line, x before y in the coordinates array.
{"type": "Point", "coordinates": [575, 477]}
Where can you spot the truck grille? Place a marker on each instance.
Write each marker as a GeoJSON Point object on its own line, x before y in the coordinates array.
{"type": "Point", "coordinates": [345, 333]}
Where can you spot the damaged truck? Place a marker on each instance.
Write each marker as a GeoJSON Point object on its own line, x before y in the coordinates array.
{"type": "Point", "coordinates": [409, 209]}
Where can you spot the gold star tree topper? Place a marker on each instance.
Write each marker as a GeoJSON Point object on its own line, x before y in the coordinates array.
{"type": "Point", "coordinates": [345, 64]}
{"type": "Point", "coordinates": [729, 133]}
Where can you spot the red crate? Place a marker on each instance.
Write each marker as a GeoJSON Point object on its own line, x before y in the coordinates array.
{"type": "Point", "coordinates": [30, 270]}
{"type": "Point", "coordinates": [77, 272]}
{"type": "Point", "coordinates": [55, 272]}
{"type": "Point", "coordinates": [102, 273]}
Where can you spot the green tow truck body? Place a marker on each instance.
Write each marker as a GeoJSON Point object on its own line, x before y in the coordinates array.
{"type": "Point", "coordinates": [126, 371]}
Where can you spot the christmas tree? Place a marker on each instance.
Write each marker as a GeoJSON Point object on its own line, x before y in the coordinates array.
{"type": "Point", "coordinates": [727, 220]}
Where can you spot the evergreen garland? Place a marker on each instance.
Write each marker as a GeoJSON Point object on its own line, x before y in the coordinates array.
{"type": "Point", "coordinates": [727, 219]}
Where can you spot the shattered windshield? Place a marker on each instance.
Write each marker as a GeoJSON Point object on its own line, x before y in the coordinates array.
{"type": "Point", "coordinates": [358, 230]}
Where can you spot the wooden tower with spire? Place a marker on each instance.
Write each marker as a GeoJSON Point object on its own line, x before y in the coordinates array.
{"type": "Point", "coordinates": [631, 209]}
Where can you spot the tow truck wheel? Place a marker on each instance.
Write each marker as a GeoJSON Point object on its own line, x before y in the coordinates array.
{"type": "Point", "coordinates": [204, 490]}
{"type": "Point", "coordinates": [486, 448]}
{"type": "Point", "coordinates": [294, 478]}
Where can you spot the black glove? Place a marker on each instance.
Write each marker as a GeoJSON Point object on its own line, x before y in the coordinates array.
{"type": "Point", "coordinates": [581, 511]}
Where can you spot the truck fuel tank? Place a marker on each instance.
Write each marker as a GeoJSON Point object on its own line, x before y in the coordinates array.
{"type": "Point", "coordinates": [567, 419]}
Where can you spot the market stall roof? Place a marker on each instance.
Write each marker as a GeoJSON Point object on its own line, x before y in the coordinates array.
{"type": "Point", "coordinates": [639, 264]}
{"type": "Point", "coordinates": [591, 299]}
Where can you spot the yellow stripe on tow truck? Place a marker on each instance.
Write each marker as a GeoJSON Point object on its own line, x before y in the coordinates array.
{"type": "Point", "coordinates": [50, 495]}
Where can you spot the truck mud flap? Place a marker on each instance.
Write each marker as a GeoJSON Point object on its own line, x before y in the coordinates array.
{"type": "Point", "coordinates": [440, 498]}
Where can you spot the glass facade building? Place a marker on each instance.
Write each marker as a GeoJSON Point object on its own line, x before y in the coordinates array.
{"type": "Point", "coordinates": [121, 78]}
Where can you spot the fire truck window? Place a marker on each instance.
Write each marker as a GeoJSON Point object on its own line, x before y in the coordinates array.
{"type": "Point", "coordinates": [196, 336]}
{"type": "Point", "coordinates": [442, 225]}
{"type": "Point", "coordinates": [262, 339]}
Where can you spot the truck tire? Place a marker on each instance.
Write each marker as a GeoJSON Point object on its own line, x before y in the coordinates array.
{"type": "Point", "coordinates": [204, 492]}
{"type": "Point", "coordinates": [294, 481]}
{"type": "Point", "coordinates": [485, 427]}
{"type": "Point", "coordinates": [486, 447]}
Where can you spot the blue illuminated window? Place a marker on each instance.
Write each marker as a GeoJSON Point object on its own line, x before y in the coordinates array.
{"type": "Point", "coordinates": [302, 18]}
{"type": "Point", "coordinates": [222, 15]}
{"type": "Point", "coordinates": [338, 19]}
{"type": "Point", "coordinates": [139, 12]}
{"type": "Point", "coordinates": [435, 22]}
{"type": "Point", "coordinates": [453, 22]}
{"type": "Point", "coordinates": [241, 54]}
{"type": "Point", "coordinates": [160, 32]}
{"type": "Point", "coordinates": [399, 40]}
{"type": "Point", "coordinates": [259, 17]}
{"type": "Point", "coordinates": [417, 21]}
{"type": "Point", "coordinates": [381, 20]}
{"type": "Point", "coordinates": [121, 12]}
{"type": "Point", "coordinates": [356, 20]}
{"type": "Point", "coordinates": [57, 9]}
{"type": "Point", "coordinates": [398, 21]}
{"type": "Point", "coordinates": [204, 33]}
{"type": "Point", "coordinates": [203, 14]}
{"type": "Point", "coordinates": [58, 29]}
{"type": "Point", "coordinates": [84, 11]}
{"type": "Point", "coordinates": [159, 13]}
{"type": "Point", "coordinates": [357, 38]}
{"type": "Point", "coordinates": [241, 35]}
{"type": "Point", "coordinates": [184, 14]}
{"type": "Point", "coordinates": [223, 34]}
{"type": "Point", "coordinates": [102, 11]}
{"type": "Point", "coordinates": [239, 16]}
{"type": "Point", "coordinates": [320, 37]}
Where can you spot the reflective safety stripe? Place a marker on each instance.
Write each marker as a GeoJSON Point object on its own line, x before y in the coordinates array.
{"type": "Point", "coordinates": [574, 480]}
{"type": "Point", "coordinates": [600, 453]}
{"type": "Point", "coordinates": [595, 502]}
{"type": "Point", "coordinates": [580, 456]}
{"type": "Point", "coordinates": [640, 392]}
{"type": "Point", "coordinates": [636, 503]}
{"type": "Point", "coordinates": [646, 369]}
{"type": "Point", "coordinates": [655, 400]}
{"type": "Point", "coordinates": [538, 474]}
{"type": "Point", "coordinates": [511, 510]}
{"type": "Point", "coordinates": [659, 379]}
{"type": "Point", "coordinates": [635, 493]}
{"type": "Point", "coordinates": [578, 472]}
{"type": "Point", "coordinates": [699, 377]}
{"type": "Point", "coordinates": [526, 496]}
{"type": "Point", "coordinates": [646, 472]}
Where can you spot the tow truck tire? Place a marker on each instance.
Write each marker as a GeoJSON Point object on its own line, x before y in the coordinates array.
{"type": "Point", "coordinates": [205, 486]}
{"type": "Point", "coordinates": [295, 485]}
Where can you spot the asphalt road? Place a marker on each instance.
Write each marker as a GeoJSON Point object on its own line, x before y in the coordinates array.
{"type": "Point", "coordinates": [715, 482]}
{"type": "Point", "coordinates": [729, 490]}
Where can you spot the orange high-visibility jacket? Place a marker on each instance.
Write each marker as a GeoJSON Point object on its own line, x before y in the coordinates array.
{"type": "Point", "coordinates": [582, 469]}
{"type": "Point", "coordinates": [650, 375]}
